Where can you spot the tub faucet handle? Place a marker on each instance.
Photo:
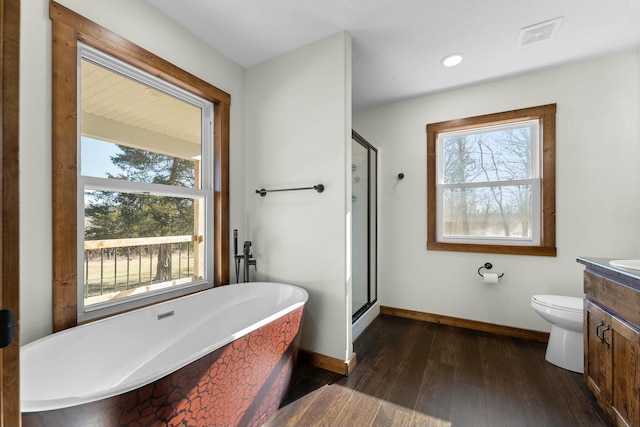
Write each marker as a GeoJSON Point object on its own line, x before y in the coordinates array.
{"type": "Point", "coordinates": [248, 260]}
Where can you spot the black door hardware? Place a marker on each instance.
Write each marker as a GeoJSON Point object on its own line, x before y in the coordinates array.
{"type": "Point", "coordinates": [7, 327]}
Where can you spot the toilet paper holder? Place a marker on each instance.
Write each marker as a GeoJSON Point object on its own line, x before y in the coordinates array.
{"type": "Point", "coordinates": [487, 266]}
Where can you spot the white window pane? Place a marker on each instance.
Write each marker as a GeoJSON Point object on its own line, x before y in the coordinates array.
{"type": "Point", "coordinates": [152, 130]}
{"type": "Point", "coordinates": [488, 212]}
{"type": "Point", "coordinates": [137, 243]}
{"type": "Point", "coordinates": [103, 159]}
{"type": "Point", "coordinates": [489, 154]}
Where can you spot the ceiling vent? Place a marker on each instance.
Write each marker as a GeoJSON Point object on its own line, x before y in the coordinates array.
{"type": "Point", "coordinates": [539, 32]}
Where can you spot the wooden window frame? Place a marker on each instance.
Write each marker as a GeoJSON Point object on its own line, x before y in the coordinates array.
{"type": "Point", "coordinates": [69, 28]}
{"type": "Point", "coordinates": [546, 114]}
{"type": "Point", "coordinates": [10, 414]}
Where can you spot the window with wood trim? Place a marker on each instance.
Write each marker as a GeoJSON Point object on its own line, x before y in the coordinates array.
{"type": "Point", "coordinates": [140, 175]}
{"type": "Point", "coordinates": [491, 183]}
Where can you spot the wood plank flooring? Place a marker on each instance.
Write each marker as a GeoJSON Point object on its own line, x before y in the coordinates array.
{"type": "Point", "coordinates": [413, 373]}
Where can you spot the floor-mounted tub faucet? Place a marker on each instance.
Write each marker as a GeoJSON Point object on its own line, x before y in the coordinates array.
{"type": "Point", "coordinates": [236, 256]}
{"type": "Point", "coordinates": [245, 256]}
{"type": "Point", "coordinates": [248, 260]}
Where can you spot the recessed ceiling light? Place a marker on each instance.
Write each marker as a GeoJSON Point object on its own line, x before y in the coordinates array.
{"type": "Point", "coordinates": [452, 60]}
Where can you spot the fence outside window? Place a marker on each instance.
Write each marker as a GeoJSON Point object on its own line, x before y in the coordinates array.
{"type": "Point", "coordinates": [117, 265]}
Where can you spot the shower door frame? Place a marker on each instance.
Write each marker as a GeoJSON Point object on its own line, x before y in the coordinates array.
{"type": "Point", "coordinates": [371, 243]}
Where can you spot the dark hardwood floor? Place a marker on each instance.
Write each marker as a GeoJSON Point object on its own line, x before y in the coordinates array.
{"type": "Point", "coordinates": [413, 373]}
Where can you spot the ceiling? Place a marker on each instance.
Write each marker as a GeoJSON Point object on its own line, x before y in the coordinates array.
{"type": "Point", "coordinates": [120, 110]}
{"type": "Point", "coordinates": [397, 45]}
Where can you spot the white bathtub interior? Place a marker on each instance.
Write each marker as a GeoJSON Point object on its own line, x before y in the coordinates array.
{"type": "Point", "coordinates": [115, 355]}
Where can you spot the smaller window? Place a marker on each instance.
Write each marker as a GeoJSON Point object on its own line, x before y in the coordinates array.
{"type": "Point", "coordinates": [491, 183]}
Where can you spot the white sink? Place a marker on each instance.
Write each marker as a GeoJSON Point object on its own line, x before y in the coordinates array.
{"type": "Point", "coordinates": [633, 264]}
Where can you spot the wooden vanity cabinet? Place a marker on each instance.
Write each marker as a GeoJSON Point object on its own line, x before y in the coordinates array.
{"type": "Point", "coordinates": [625, 391]}
{"type": "Point", "coordinates": [596, 354]}
{"type": "Point", "coordinates": [612, 343]}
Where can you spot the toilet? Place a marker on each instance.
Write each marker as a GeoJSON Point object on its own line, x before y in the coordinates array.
{"type": "Point", "coordinates": [566, 315]}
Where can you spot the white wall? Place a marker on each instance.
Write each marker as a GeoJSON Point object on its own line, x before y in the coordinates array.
{"type": "Point", "coordinates": [638, 121]}
{"type": "Point", "coordinates": [298, 133]}
{"type": "Point", "coordinates": [598, 176]}
{"type": "Point", "coordinates": [142, 24]}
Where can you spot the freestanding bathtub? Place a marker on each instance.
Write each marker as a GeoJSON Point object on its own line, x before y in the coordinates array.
{"type": "Point", "coordinates": [221, 357]}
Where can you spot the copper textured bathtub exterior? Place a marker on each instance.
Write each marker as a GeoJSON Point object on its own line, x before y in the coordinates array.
{"type": "Point", "coordinates": [240, 384]}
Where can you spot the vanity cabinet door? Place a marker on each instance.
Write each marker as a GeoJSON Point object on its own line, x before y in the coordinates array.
{"type": "Point", "coordinates": [625, 392]}
{"type": "Point", "coordinates": [596, 355]}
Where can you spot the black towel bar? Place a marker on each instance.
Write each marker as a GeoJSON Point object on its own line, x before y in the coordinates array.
{"type": "Point", "coordinates": [319, 188]}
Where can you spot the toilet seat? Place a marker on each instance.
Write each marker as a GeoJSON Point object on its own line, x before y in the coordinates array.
{"type": "Point", "coordinates": [559, 302]}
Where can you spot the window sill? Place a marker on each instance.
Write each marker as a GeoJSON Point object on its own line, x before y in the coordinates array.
{"type": "Point", "coordinates": [550, 251]}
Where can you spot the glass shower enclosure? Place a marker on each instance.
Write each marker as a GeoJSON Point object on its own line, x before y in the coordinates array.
{"type": "Point", "coordinates": [364, 225]}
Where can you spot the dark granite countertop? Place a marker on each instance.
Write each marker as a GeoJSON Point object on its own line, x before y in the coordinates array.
{"type": "Point", "coordinates": [601, 265]}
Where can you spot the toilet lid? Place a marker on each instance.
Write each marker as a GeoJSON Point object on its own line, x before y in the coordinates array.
{"type": "Point", "coordinates": [560, 302]}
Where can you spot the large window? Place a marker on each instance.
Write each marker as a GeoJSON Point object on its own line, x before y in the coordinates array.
{"type": "Point", "coordinates": [491, 183]}
{"type": "Point", "coordinates": [144, 184]}
{"type": "Point", "coordinates": [140, 175]}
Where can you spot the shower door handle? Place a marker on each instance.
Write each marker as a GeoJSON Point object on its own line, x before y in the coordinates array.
{"type": "Point", "coordinates": [7, 327]}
